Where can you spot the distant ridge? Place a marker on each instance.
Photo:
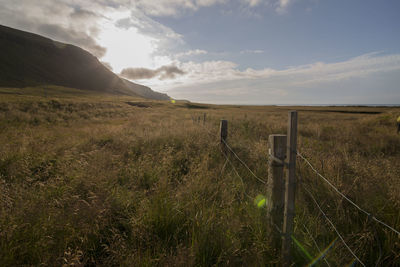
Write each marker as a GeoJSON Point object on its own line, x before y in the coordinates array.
{"type": "Point", "coordinates": [28, 59]}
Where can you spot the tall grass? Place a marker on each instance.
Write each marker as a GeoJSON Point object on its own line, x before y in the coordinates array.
{"type": "Point", "coordinates": [97, 181]}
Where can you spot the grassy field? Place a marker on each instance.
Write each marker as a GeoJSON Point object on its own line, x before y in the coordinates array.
{"type": "Point", "coordinates": [103, 180]}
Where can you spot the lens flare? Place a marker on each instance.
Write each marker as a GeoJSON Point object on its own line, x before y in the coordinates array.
{"type": "Point", "coordinates": [260, 201]}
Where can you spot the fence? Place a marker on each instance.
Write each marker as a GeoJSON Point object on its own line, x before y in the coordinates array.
{"type": "Point", "coordinates": [283, 153]}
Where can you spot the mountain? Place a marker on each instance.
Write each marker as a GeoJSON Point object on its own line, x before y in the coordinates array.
{"type": "Point", "coordinates": [28, 59]}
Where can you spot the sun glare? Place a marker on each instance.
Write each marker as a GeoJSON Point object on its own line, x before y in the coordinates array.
{"type": "Point", "coordinates": [126, 47]}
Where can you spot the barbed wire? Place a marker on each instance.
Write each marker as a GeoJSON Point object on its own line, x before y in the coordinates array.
{"type": "Point", "coordinates": [244, 192]}
{"type": "Point", "coordinates": [230, 163]}
{"type": "Point", "coordinates": [237, 173]}
{"type": "Point", "coordinates": [240, 160]}
{"type": "Point", "coordinates": [370, 216]}
{"type": "Point", "coordinates": [223, 168]}
{"type": "Point", "coordinates": [243, 163]}
{"type": "Point", "coordinates": [315, 243]}
{"type": "Point", "coordinates": [274, 226]}
{"type": "Point", "coordinates": [333, 226]}
{"type": "Point", "coordinates": [346, 198]}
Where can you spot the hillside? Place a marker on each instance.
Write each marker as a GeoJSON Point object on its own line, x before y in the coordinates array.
{"type": "Point", "coordinates": [31, 60]}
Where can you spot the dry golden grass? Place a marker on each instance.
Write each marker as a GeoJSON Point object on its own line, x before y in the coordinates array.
{"type": "Point", "coordinates": [95, 180]}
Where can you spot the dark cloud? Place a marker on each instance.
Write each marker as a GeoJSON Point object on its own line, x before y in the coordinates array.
{"type": "Point", "coordinates": [138, 73]}
{"type": "Point", "coordinates": [80, 13]}
{"type": "Point", "coordinates": [124, 23]}
{"type": "Point", "coordinates": [71, 36]}
{"type": "Point", "coordinates": [169, 72]}
{"type": "Point", "coordinates": [164, 72]}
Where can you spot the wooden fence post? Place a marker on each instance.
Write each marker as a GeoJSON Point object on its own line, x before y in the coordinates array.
{"type": "Point", "coordinates": [224, 135]}
{"type": "Point", "coordinates": [204, 119]}
{"type": "Point", "coordinates": [290, 185]}
{"type": "Point", "coordinates": [276, 184]}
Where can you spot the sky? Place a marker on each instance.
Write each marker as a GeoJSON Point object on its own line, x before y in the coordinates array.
{"type": "Point", "coordinates": [234, 51]}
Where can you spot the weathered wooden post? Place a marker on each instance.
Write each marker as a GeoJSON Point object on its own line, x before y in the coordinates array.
{"type": "Point", "coordinates": [224, 135]}
{"type": "Point", "coordinates": [276, 184]}
{"type": "Point", "coordinates": [204, 119]}
{"type": "Point", "coordinates": [290, 185]}
{"type": "Point", "coordinates": [398, 124]}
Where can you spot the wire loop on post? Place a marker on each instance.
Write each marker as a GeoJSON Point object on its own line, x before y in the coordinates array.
{"type": "Point", "coordinates": [277, 161]}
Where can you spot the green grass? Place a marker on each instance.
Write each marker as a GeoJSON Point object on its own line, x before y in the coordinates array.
{"type": "Point", "coordinates": [94, 180]}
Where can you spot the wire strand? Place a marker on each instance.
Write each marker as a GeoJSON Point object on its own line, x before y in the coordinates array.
{"type": "Point", "coordinates": [227, 160]}
{"type": "Point", "coordinates": [349, 200]}
{"type": "Point", "coordinates": [315, 243]}
{"type": "Point", "coordinates": [240, 177]}
{"type": "Point", "coordinates": [233, 152]}
{"type": "Point", "coordinates": [243, 163]}
{"type": "Point", "coordinates": [333, 226]}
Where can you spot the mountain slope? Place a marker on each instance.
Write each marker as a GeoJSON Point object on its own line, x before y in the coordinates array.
{"type": "Point", "coordinates": [28, 59]}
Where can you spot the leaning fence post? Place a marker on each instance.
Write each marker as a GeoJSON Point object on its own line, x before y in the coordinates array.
{"type": "Point", "coordinates": [291, 151]}
{"type": "Point", "coordinates": [276, 184]}
{"type": "Point", "coordinates": [224, 134]}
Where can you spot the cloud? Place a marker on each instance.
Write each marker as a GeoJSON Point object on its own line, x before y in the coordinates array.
{"type": "Point", "coordinates": [80, 13]}
{"type": "Point", "coordinates": [147, 26]}
{"type": "Point", "coordinates": [81, 39]}
{"type": "Point", "coordinates": [138, 73]}
{"type": "Point", "coordinates": [318, 72]}
{"type": "Point", "coordinates": [162, 73]}
{"type": "Point", "coordinates": [251, 51]}
{"type": "Point", "coordinates": [173, 7]}
{"type": "Point", "coordinates": [107, 65]}
{"type": "Point", "coordinates": [189, 53]}
{"type": "Point", "coordinates": [223, 82]}
{"type": "Point", "coordinates": [253, 3]}
{"type": "Point", "coordinates": [59, 20]}
{"type": "Point", "coordinates": [106, 28]}
{"type": "Point", "coordinates": [169, 72]}
{"type": "Point", "coordinates": [85, 24]}
{"type": "Point", "coordinates": [165, 39]}
{"type": "Point", "coordinates": [282, 5]}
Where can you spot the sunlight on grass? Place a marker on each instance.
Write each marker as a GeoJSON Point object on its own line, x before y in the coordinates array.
{"type": "Point", "coordinates": [109, 181]}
